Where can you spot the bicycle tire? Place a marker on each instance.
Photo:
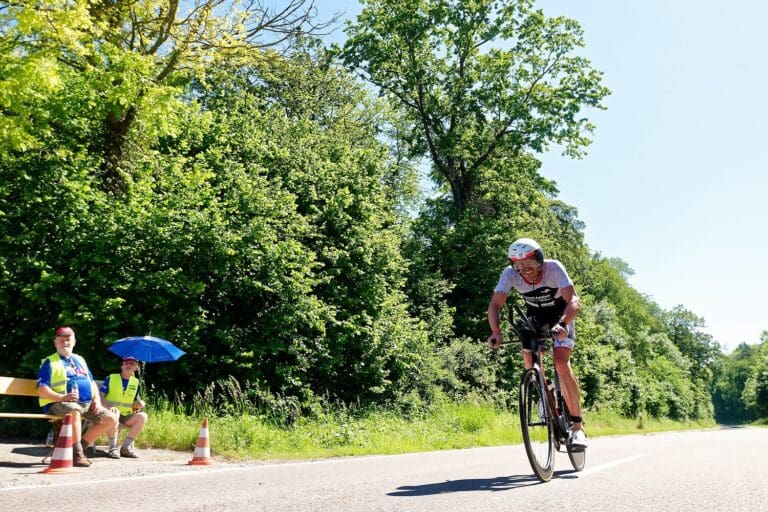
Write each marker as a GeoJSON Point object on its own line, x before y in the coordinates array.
{"type": "Point", "coordinates": [578, 457]}
{"type": "Point", "coordinates": [538, 434]}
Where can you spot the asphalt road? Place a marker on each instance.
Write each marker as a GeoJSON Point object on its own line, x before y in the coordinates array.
{"type": "Point", "coordinates": [714, 470]}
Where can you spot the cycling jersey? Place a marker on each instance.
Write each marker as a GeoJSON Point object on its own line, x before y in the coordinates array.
{"type": "Point", "coordinates": [542, 300]}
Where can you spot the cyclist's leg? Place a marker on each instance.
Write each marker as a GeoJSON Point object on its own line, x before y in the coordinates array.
{"type": "Point", "coordinates": [527, 358]}
{"type": "Point", "coordinates": [525, 350]}
{"type": "Point", "coordinates": [570, 386]}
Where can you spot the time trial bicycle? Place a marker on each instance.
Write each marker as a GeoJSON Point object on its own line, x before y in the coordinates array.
{"type": "Point", "coordinates": [544, 417]}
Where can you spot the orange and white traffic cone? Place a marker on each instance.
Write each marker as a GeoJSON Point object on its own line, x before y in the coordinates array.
{"type": "Point", "coordinates": [61, 460]}
{"type": "Point", "coordinates": [202, 454]}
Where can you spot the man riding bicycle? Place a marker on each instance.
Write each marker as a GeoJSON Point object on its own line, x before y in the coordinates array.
{"type": "Point", "coordinates": [550, 299]}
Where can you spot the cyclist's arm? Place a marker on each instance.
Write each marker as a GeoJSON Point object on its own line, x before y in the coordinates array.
{"type": "Point", "coordinates": [572, 305]}
{"type": "Point", "coordinates": [494, 307]}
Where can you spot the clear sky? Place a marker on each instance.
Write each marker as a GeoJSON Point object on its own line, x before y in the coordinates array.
{"type": "Point", "coordinates": [675, 182]}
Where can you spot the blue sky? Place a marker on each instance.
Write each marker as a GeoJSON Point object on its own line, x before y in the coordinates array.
{"type": "Point", "coordinates": [675, 181]}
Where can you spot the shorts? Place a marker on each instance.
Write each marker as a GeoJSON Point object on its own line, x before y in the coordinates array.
{"type": "Point", "coordinates": [85, 409]}
{"type": "Point", "coordinates": [567, 342]}
{"type": "Point", "coordinates": [125, 417]}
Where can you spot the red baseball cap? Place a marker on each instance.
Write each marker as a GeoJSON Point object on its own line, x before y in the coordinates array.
{"type": "Point", "coordinates": [130, 358]}
{"type": "Point", "coordinates": [65, 331]}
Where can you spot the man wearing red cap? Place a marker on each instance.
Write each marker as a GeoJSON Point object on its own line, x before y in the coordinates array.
{"type": "Point", "coordinates": [123, 392]}
{"type": "Point", "coordinates": [66, 386]}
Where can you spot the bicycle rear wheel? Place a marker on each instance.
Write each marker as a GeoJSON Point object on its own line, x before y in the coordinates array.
{"type": "Point", "coordinates": [538, 435]}
{"type": "Point", "coordinates": [578, 457]}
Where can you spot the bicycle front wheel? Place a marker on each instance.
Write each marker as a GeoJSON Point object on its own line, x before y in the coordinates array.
{"type": "Point", "coordinates": [536, 423]}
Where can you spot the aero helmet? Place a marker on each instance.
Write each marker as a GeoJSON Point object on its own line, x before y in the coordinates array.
{"type": "Point", "coordinates": [525, 248]}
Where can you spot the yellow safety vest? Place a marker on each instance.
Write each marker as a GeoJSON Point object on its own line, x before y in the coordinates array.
{"type": "Point", "coordinates": [119, 398]}
{"type": "Point", "coordinates": [59, 375]}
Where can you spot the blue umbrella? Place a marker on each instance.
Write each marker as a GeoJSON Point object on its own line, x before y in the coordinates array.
{"type": "Point", "coordinates": [147, 349]}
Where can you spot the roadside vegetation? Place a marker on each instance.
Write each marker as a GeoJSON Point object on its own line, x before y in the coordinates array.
{"type": "Point", "coordinates": [346, 432]}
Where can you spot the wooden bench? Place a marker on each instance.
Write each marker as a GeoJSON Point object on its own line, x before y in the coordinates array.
{"type": "Point", "coordinates": [22, 387]}
{"type": "Point", "coordinates": [15, 386]}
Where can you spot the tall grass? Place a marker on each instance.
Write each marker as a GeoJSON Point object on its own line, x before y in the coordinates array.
{"type": "Point", "coordinates": [246, 432]}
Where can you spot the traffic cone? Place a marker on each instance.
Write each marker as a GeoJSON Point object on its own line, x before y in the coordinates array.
{"type": "Point", "coordinates": [202, 454]}
{"type": "Point", "coordinates": [61, 460]}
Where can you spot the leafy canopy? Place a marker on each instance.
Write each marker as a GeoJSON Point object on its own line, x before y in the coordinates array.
{"type": "Point", "coordinates": [479, 80]}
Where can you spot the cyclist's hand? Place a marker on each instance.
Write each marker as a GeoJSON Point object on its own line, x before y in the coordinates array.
{"type": "Point", "coordinates": [559, 332]}
{"type": "Point", "coordinates": [494, 340]}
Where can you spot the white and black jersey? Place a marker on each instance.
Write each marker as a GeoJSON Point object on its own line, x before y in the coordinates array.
{"type": "Point", "coordinates": [542, 300]}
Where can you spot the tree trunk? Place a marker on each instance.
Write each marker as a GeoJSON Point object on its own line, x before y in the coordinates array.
{"type": "Point", "coordinates": [460, 182]}
{"type": "Point", "coordinates": [112, 172]}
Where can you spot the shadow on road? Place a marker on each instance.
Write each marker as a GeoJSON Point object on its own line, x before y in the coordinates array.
{"type": "Point", "coordinates": [24, 456]}
{"type": "Point", "coordinates": [32, 451]}
{"type": "Point", "coordinates": [25, 465]}
{"type": "Point", "coordinates": [499, 483]}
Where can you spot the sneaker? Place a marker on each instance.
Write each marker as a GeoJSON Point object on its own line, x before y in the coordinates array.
{"type": "Point", "coordinates": [128, 453]}
{"type": "Point", "coordinates": [80, 461]}
{"type": "Point", "coordinates": [578, 440]}
{"type": "Point", "coordinates": [114, 453]}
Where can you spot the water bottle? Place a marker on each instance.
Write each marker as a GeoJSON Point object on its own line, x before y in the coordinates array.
{"type": "Point", "coordinates": [73, 388]}
{"type": "Point", "coordinates": [49, 439]}
{"type": "Point", "coordinates": [551, 385]}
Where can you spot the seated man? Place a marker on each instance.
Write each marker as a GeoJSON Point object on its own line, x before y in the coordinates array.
{"type": "Point", "coordinates": [65, 386]}
{"type": "Point", "coordinates": [123, 392]}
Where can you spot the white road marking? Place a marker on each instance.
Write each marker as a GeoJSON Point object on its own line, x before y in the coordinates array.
{"type": "Point", "coordinates": [201, 471]}
{"type": "Point", "coordinates": [607, 465]}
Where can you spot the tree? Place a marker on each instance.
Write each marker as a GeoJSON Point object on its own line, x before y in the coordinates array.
{"type": "Point", "coordinates": [336, 325]}
{"type": "Point", "coordinates": [731, 374]}
{"type": "Point", "coordinates": [479, 81]}
{"type": "Point", "coordinates": [259, 233]}
{"type": "Point", "coordinates": [134, 55]}
{"type": "Point", "coordinates": [606, 279]}
{"type": "Point", "coordinates": [684, 329]}
{"type": "Point", "coordinates": [755, 395]}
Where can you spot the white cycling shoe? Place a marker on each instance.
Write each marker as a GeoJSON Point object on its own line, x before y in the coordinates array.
{"type": "Point", "coordinates": [578, 440]}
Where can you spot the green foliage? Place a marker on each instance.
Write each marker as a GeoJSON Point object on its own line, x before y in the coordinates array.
{"type": "Point", "coordinates": [132, 57]}
{"type": "Point", "coordinates": [606, 279]}
{"type": "Point", "coordinates": [478, 81]}
{"type": "Point", "coordinates": [755, 395]}
{"type": "Point", "coordinates": [317, 139]}
{"type": "Point", "coordinates": [667, 392]}
{"type": "Point", "coordinates": [257, 235]}
{"type": "Point", "coordinates": [740, 387]}
{"type": "Point", "coordinates": [731, 375]}
{"type": "Point", "coordinates": [467, 366]}
{"type": "Point", "coordinates": [684, 329]}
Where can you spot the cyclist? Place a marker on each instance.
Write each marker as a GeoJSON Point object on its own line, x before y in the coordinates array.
{"type": "Point", "coordinates": [551, 300]}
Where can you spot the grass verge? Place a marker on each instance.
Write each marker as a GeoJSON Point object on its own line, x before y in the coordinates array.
{"type": "Point", "coordinates": [447, 426]}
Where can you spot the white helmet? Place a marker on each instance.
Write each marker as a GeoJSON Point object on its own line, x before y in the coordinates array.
{"type": "Point", "coordinates": [525, 248]}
